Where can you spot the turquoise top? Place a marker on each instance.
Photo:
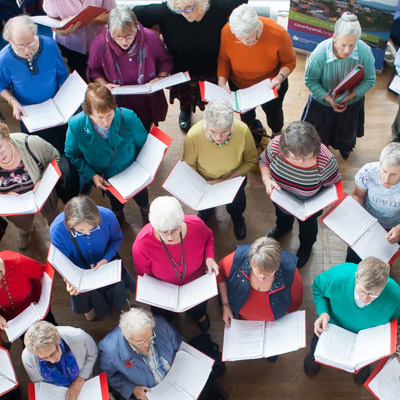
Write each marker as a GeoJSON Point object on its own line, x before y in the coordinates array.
{"type": "Point", "coordinates": [333, 292]}
{"type": "Point", "coordinates": [324, 71]}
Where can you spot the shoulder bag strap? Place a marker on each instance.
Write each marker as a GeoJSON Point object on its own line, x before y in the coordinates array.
{"type": "Point", "coordinates": [78, 249]}
{"type": "Point", "coordinates": [39, 164]}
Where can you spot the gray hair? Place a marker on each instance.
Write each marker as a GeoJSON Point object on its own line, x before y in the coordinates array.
{"type": "Point", "coordinates": [13, 24]}
{"type": "Point", "coordinates": [81, 209]}
{"type": "Point", "coordinates": [300, 138]}
{"type": "Point", "coordinates": [202, 5]}
{"type": "Point", "coordinates": [136, 321]}
{"type": "Point", "coordinates": [347, 25]}
{"type": "Point", "coordinates": [243, 20]}
{"type": "Point", "coordinates": [390, 155]}
{"type": "Point", "coordinates": [265, 254]}
{"type": "Point", "coordinates": [372, 273]}
{"type": "Point", "coordinates": [165, 213]}
{"type": "Point", "coordinates": [121, 18]}
{"type": "Point", "coordinates": [42, 334]}
{"type": "Point", "coordinates": [218, 114]}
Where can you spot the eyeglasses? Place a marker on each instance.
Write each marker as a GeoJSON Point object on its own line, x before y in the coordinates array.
{"type": "Point", "coordinates": [386, 174]}
{"type": "Point", "coordinates": [184, 10]}
{"type": "Point", "coordinates": [23, 46]}
{"type": "Point", "coordinates": [127, 37]}
{"type": "Point", "coordinates": [77, 233]}
{"type": "Point", "coordinates": [172, 232]}
{"type": "Point", "coordinates": [251, 39]}
{"type": "Point", "coordinates": [362, 293]}
{"type": "Point", "coordinates": [142, 342]}
{"type": "Point", "coordinates": [298, 158]}
{"type": "Point", "coordinates": [52, 355]}
{"type": "Point", "coordinates": [227, 132]}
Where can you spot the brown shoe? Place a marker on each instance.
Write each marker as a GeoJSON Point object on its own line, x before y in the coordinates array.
{"type": "Point", "coordinates": [24, 239]}
{"type": "Point", "coordinates": [91, 315]}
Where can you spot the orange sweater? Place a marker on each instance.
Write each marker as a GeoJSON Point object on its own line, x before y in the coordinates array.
{"type": "Point", "coordinates": [247, 65]}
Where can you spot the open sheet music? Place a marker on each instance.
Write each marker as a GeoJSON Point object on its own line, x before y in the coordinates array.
{"type": "Point", "coordinates": [93, 389]}
{"type": "Point", "coordinates": [360, 230]}
{"type": "Point", "coordinates": [192, 189]}
{"type": "Point", "coordinates": [31, 202]}
{"type": "Point", "coordinates": [147, 88]}
{"type": "Point", "coordinates": [303, 209]}
{"type": "Point", "coordinates": [8, 379]}
{"type": "Point", "coordinates": [35, 312]}
{"type": "Point", "coordinates": [340, 348]}
{"type": "Point", "coordinates": [186, 378]}
{"type": "Point", "coordinates": [245, 340]}
{"type": "Point", "coordinates": [384, 382]}
{"type": "Point", "coordinates": [143, 170]}
{"type": "Point", "coordinates": [172, 297]}
{"type": "Point", "coordinates": [60, 108]}
{"type": "Point", "coordinates": [243, 99]}
{"type": "Point", "coordinates": [84, 280]}
{"type": "Point", "coordinates": [395, 84]}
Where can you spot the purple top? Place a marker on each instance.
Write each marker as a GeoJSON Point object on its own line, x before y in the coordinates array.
{"type": "Point", "coordinates": [149, 107]}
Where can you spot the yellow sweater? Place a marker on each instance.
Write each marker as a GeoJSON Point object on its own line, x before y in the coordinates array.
{"type": "Point", "coordinates": [214, 162]}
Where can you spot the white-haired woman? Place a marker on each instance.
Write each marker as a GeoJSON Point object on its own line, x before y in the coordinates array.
{"type": "Point", "coordinates": [31, 71]}
{"type": "Point", "coordinates": [126, 53]}
{"type": "Point", "coordinates": [175, 248]}
{"type": "Point", "coordinates": [220, 148]}
{"type": "Point", "coordinates": [378, 191]}
{"type": "Point", "coordinates": [252, 49]}
{"type": "Point", "coordinates": [59, 355]}
{"type": "Point", "coordinates": [338, 124]}
{"type": "Point", "coordinates": [191, 30]}
{"type": "Point", "coordinates": [137, 354]}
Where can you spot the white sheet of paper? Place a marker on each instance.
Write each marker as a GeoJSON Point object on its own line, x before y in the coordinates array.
{"type": "Point", "coordinates": [22, 204]}
{"type": "Point", "coordinates": [395, 84]}
{"type": "Point", "coordinates": [255, 95]}
{"type": "Point", "coordinates": [41, 116]}
{"type": "Point", "coordinates": [169, 81]}
{"type": "Point", "coordinates": [50, 22]}
{"type": "Point", "coordinates": [131, 89]}
{"type": "Point", "coordinates": [386, 383]}
{"type": "Point", "coordinates": [323, 198]}
{"type": "Point", "coordinates": [46, 185]}
{"type": "Point", "coordinates": [212, 91]}
{"type": "Point", "coordinates": [8, 378]}
{"type": "Point", "coordinates": [290, 203]}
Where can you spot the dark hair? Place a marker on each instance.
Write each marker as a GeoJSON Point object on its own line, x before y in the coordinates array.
{"type": "Point", "coordinates": [98, 98]}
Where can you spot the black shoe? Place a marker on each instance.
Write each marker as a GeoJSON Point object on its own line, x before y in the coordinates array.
{"type": "Point", "coordinates": [362, 375]}
{"type": "Point", "coordinates": [239, 227]}
{"type": "Point", "coordinates": [303, 254]}
{"type": "Point", "coordinates": [184, 120]}
{"type": "Point", "coordinates": [272, 359]}
{"type": "Point", "coordinates": [144, 212]}
{"type": "Point", "coordinates": [344, 153]}
{"type": "Point", "coordinates": [311, 367]}
{"type": "Point", "coordinates": [204, 325]}
{"type": "Point", "coordinates": [276, 233]}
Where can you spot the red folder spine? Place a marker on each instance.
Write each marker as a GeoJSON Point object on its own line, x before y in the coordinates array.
{"type": "Point", "coordinates": [104, 386]}
{"type": "Point", "coordinates": [374, 373]}
{"type": "Point", "coordinates": [31, 391]}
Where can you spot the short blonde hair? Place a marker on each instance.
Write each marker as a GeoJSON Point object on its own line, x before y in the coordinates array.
{"type": "Point", "coordinates": [81, 209]}
{"type": "Point", "coordinates": [4, 131]}
{"type": "Point", "coordinates": [265, 254]}
{"type": "Point", "coordinates": [40, 335]}
{"type": "Point", "coordinates": [136, 321]}
{"type": "Point", "coordinates": [372, 273]}
{"type": "Point", "coordinates": [202, 5]}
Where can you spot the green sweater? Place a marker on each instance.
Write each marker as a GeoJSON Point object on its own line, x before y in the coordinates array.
{"type": "Point", "coordinates": [322, 76]}
{"type": "Point", "coordinates": [333, 292]}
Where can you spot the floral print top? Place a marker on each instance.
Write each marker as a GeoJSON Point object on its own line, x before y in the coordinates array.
{"type": "Point", "coordinates": [15, 180]}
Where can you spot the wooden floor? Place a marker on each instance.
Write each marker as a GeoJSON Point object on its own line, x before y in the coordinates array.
{"type": "Point", "coordinates": [258, 379]}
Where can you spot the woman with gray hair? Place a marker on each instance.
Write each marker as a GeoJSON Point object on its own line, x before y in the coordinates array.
{"type": "Point", "coordinates": [297, 162]}
{"type": "Point", "coordinates": [59, 355]}
{"type": "Point", "coordinates": [220, 148]}
{"type": "Point", "coordinates": [191, 30]}
{"type": "Point", "coordinates": [338, 122]}
{"type": "Point", "coordinates": [378, 191]}
{"type": "Point", "coordinates": [175, 248]}
{"type": "Point", "coordinates": [90, 237]}
{"type": "Point", "coordinates": [126, 53]}
{"type": "Point", "coordinates": [137, 354]}
{"type": "Point", "coordinates": [31, 71]}
{"type": "Point", "coordinates": [252, 49]}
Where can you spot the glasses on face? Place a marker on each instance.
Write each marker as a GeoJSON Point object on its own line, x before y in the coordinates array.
{"type": "Point", "coordinates": [142, 342]}
{"type": "Point", "coordinates": [227, 132]}
{"type": "Point", "coordinates": [361, 293]}
{"type": "Point", "coordinates": [184, 10]}
{"type": "Point", "coordinates": [23, 46]}
{"type": "Point", "coordinates": [52, 355]}
{"type": "Point", "coordinates": [77, 233]}
{"type": "Point", "coordinates": [127, 37]}
{"type": "Point", "coordinates": [390, 176]}
{"type": "Point", "coordinates": [251, 39]}
{"type": "Point", "coordinates": [298, 158]}
{"type": "Point", "coordinates": [172, 232]}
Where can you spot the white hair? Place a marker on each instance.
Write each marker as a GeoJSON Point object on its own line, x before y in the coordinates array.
{"type": "Point", "coordinates": [16, 23]}
{"type": "Point", "coordinates": [218, 114]}
{"type": "Point", "coordinates": [347, 25]}
{"type": "Point", "coordinates": [243, 21]}
{"type": "Point", "coordinates": [121, 18]}
{"type": "Point", "coordinates": [165, 213]}
{"type": "Point", "coordinates": [390, 155]}
{"type": "Point", "coordinates": [202, 5]}
{"type": "Point", "coordinates": [136, 321]}
{"type": "Point", "coordinates": [40, 335]}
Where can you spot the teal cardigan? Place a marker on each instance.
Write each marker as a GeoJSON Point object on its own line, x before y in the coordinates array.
{"type": "Point", "coordinates": [90, 153]}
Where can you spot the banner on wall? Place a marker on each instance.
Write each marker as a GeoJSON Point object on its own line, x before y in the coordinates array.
{"type": "Point", "coordinates": [312, 21]}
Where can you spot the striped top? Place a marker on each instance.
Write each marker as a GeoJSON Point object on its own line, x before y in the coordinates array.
{"type": "Point", "coordinates": [301, 182]}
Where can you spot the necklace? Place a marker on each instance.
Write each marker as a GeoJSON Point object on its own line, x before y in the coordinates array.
{"type": "Point", "coordinates": [9, 296]}
{"type": "Point", "coordinates": [224, 143]}
{"type": "Point", "coordinates": [12, 157]}
{"type": "Point", "coordinates": [179, 275]}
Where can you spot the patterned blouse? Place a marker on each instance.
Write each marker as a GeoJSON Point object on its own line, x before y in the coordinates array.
{"type": "Point", "coordinates": [15, 180]}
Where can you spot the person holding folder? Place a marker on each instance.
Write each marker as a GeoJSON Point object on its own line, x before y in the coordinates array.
{"type": "Point", "coordinates": [220, 148]}
{"type": "Point", "coordinates": [273, 285]}
{"type": "Point", "coordinates": [102, 141]}
{"type": "Point", "coordinates": [339, 123]}
{"type": "Point", "coordinates": [175, 248]}
{"type": "Point", "coordinates": [354, 297]}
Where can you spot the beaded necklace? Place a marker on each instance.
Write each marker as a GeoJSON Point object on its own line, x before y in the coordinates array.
{"type": "Point", "coordinates": [224, 143]}
{"type": "Point", "coordinates": [179, 275]}
{"type": "Point", "coordinates": [4, 283]}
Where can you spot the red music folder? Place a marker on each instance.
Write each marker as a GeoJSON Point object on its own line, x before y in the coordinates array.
{"type": "Point", "coordinates": [8, 378]}
{"type": "Point", "coordinates": [143, 170]}
{"type": "Point", "coordinates": [352, 79]}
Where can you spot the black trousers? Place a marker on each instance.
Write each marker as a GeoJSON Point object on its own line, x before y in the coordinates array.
{"type": "Point", "coordinates": [75, 61]}
{"type": "Point", "coordinates": [196, 312]}
{"type": "Point", "coordinates": [234, 209]}
{"type": "Point", "coordinates": [352, 257]}
{"type": "Point", "coordinates": [308, 229]}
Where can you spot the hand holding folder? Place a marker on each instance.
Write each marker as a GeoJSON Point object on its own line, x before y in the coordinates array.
{"type": "Point", "coordinates": [350, 81]}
